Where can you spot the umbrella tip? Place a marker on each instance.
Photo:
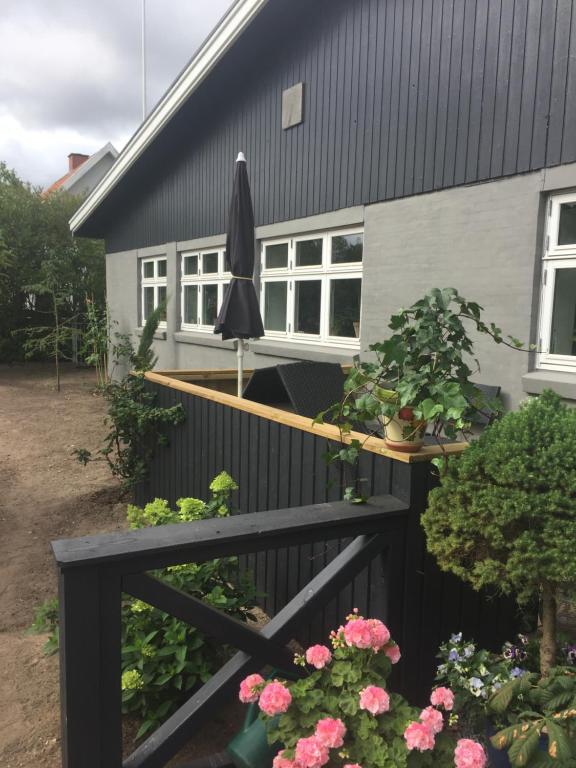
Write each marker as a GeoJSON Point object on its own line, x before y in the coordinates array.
{"type": "Point", "coordinates": [241, 158]}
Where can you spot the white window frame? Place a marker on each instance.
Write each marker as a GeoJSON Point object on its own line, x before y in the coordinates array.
{"type": "Point", "coordinates": [156, 282]}
{"type": "Point", "coordinates": [555, 257]}
{"type": "Point", "coordinates": [325, 272]}
{"type": "Point", "coordinates": [221, 278]}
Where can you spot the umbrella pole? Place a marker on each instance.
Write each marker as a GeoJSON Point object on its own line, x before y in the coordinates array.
{"type": "Point", "coordinates": [240, 356]}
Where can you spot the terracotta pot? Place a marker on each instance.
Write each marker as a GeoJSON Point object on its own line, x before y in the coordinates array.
{"type": "Point", "coordinates": [404, 433]}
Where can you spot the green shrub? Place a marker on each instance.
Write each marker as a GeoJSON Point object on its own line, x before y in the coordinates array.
{"type": "Point", "coordinates": [136, 423]}
{"type": "Point", "coordinates": [504, 515]}
{"type": "Point", "coordinates": [163, 659]}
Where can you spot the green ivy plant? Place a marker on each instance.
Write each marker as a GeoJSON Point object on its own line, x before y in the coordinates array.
{"type": "Point", "coordinates": [423, 368]}
{"type": "Point", "coordinates": [163, 659]}
{"type": "Point", "coordinates": [504, 515]}
{"type": "Point", "coordinates": [137, 424]}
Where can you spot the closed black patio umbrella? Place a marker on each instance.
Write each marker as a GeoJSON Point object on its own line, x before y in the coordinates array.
{"type": "Point", "coordinates": [239, 316]}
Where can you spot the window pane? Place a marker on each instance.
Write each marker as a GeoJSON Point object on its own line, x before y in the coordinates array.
{"type": "Point", "coordinates": [309, 253]}
{"type": "Point", "coordinates": [345, 307]}
{"type": "Point", "coordinates": [148, 269]}
{"type": "Point", "coordinates": [148, 307]}
{"type": "Point", "coordinates": [161, 267]}
{"type": "Point", "coordinates": [277, 256]}
{"type": "Point", "coordinates": [209, 263]}
{"type": "Point", "coordinates": [563, 333]}
{"type": "Point", "coordinates": [162, 300]}
{"type": "Point", "coordinates": [191, 304]}
{"type": "Point", "coordinates": [275, 303]}
{"type": "Point", "coordinates": [307, 306]}
{"type": "Point", "coordinates": [190, 266]}
{"type": "Point", "coordinates": [209, 304]}
{"type": "Point", "coordinates": [346, 249]}
{"type": "Point", "coordinates": [567, 228]}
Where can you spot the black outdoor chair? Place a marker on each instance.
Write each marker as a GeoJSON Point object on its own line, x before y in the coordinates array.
{"type": "Point", "coordinates": [307, 387]}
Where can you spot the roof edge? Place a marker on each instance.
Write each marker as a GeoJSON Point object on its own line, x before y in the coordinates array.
{"type": "Point", "coordinates": [78, 173]}
{"type": "Point", "coordinates": [227, 31]}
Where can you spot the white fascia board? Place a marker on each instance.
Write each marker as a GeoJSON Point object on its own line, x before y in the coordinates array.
{"type": "Point", "coordinates": [215, 46]}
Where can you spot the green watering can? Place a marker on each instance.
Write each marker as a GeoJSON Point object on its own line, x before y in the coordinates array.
{"type": "Point", "coordinates": [250, 748]}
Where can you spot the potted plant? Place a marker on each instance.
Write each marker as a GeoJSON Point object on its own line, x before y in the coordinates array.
{"type": "Point", "coordinates": [504, 517]}
{"type": "Point", "coordinates": [420, 375]}
{"type": "Point", "coordinates": [341, 714]}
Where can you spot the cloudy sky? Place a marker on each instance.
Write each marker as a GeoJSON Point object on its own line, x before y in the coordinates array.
{"type": "Point", "coordinates": [70, 73]}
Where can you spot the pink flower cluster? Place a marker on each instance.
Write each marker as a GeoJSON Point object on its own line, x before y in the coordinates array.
{"type": "Point", "coordinates": [469, 754]}
{"type": "Point", "coordinates": [442, 697]}
{"type": "Point", "coordinates": [366, 633]}
{"type": "Point", "coordinates": [318, 656]}
{"type": "Point", "coordinates": [421, 735]}
{"type": "Point", "coordinates": [314, 751]}
{"type": "Point", "coordinates": [273, 698]}
{"type": "Point", "coordinates": [374, 700]}
{"type": "Point", "coordinates": [250, 688]}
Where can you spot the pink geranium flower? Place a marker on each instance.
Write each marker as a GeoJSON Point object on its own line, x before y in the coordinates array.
{"type": "Point", "coordinates": [275, 699]}
{"type": "Point", "coordinates": [352, 765]}
{"type": "Point", "coordinates": [282, 762]}
{"type": "Point", "coordinates": [248, 688]}
{"type": "Point", "coordinates": [311, 753]}
{"type": "Point", "coordinates": [419, 736]}
{"type": "Point", "coordinates": [375, 700]}
{"type": "Point", "coordinates": [318, 656]}
{"type": "Point", "coordinates": [469, 754]}
{"type": "Point", "coordinates": [393, 653]}
{"type": "Point", "coordinates": [442, 697]}
{"type": "Point", "coordinates": [379, 632]}
{"type": "Point", "coordinates": [330, 731]}
{"type": "Point", "coordinates": [357, 633]}
{"type": "Point", "coordinates": [432, 718]}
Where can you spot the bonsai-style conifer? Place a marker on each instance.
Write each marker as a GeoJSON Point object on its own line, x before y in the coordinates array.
{"type": "Point", "coordinates": [504, 515]}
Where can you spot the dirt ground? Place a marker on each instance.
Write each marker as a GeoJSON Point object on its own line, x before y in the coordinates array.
{"type": "Point", "coordinates": [45, 494]}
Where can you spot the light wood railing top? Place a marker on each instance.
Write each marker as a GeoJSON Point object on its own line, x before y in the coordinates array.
{"type": "Point", "coordinates": [168, 378]}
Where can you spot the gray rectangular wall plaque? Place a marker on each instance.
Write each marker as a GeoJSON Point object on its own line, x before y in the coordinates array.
{"type": "Point", "coordinates": [293, 106]}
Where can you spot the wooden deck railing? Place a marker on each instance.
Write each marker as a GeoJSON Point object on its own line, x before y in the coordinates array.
{"type": "Point", "coordinates": [96, 570]}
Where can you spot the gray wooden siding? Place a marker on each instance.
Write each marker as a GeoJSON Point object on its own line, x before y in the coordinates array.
{"type": "Point", "coordinates": [401, 97]}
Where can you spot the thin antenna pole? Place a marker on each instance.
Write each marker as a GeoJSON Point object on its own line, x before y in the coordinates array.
{"type": "Point", "coordinates": [144, 110]}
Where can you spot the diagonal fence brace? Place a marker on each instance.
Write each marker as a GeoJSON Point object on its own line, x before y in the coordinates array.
{"type": "Point", "coordinates": [173, 734]}
{"type": "Point", "coordinates": [209, 620]}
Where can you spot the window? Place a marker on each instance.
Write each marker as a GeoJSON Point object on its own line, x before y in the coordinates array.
{"type": "Point", "coordinates": [311, 288]}
{"type": "Point", "coordinates": [204, 281]}
{"type": "Point", "coordinates": [153, 281]}
{"type": "Point", "coordinates": [557, 342]}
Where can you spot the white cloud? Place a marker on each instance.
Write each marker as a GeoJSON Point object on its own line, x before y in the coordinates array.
{"type": "Point", "coordinates": [70, 78]}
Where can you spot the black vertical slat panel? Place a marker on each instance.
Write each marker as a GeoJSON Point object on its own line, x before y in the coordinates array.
{"type": "Point", "coordinates": [423, 85]}
{"type": "Point", "coordinates": [366, 53]}
{"type": "Point", "coordinates": [559, 92]}
{"type": "Point", "coordinates": [443, 91]}
{"type": "Point", "coordinates": [494, 44]}
{"type": "Point", "coordinates": [405, 54]}
{"type": "Point", "coordinates": [531, 52]}
{"type": "Point", "coordinates": [515, 86]}
{"type": "Point", "coordinates": [362, 185]}
{"type": "Point", "coordinates": [465, 91]}
{"type": "Point", "coordinates": [412, 121]}
{"type": "Point", "coordinates": [375, 119]}
{"type": "Point", "coordinates": [502, 87]}
{"type": "Point", "coordinates": [387, 83]}
{"type": "Point", "coordinates": [391, 153]}
{"type": "Point", "coordinates": [433, 87]}
{"type": "Point", "coordinates": [542, 100]}
{"type": "Point", "coordinates": [477, 88]}
{"type": "Point", "coordinates": [568, 143]}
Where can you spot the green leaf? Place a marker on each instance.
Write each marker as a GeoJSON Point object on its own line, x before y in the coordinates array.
{"type": "Point", "coordinates": [524, 745]}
